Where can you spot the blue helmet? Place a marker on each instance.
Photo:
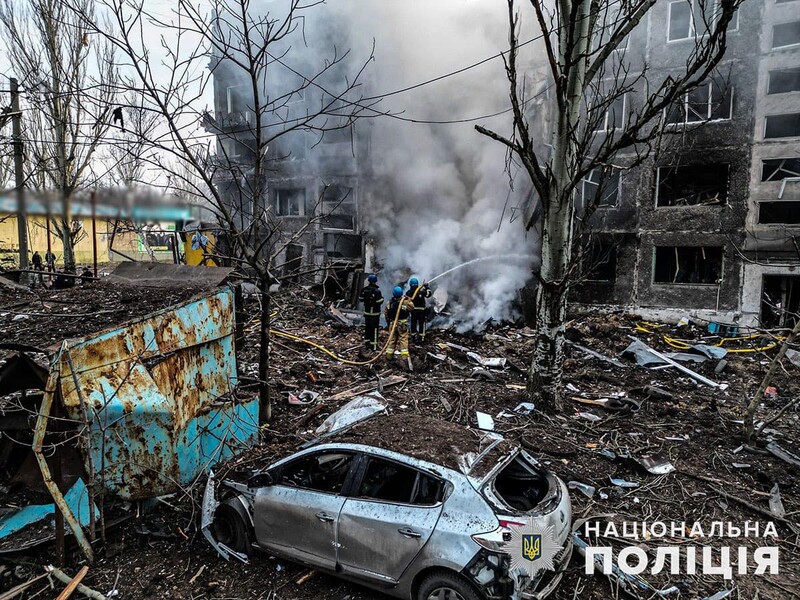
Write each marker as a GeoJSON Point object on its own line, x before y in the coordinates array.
{"type": "Point", "coordinates": [373, 278]}
{"type": "Point", "coordinates": [413, 282]}
{"type": "Point", "coordinates": [397, 291]}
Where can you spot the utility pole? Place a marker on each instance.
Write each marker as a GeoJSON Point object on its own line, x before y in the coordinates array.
{"type": "Point", "coordinates": [19, 179]}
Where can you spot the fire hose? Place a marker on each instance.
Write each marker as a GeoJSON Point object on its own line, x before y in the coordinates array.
{"type": "Point", "coordinates": [683, 345]}
{"type": "Point", "coordinates": [287, 335]}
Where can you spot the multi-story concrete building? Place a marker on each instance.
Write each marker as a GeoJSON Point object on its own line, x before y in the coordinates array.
{"type": "Point", "coordinates": [709, 226]}
{"type": "Point", "coordinates": [311, 175]}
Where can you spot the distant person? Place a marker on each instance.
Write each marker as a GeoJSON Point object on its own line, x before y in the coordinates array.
{"type": "Point", "coordinates": [50, 259]}
{"type": "Point", "coordinates": [372, 298]}
{"type": "Point", "coordinates": [36, 260]}
{"type": "Point", "coordinates": [419, 313]}
{"type": "Point", "coordinates": [398, 338]}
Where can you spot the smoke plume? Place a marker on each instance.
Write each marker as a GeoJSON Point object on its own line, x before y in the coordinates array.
{"type": "Point", "coordinates": [440, 192]}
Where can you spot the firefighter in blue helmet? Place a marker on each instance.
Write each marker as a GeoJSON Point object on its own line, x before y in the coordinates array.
{"type": "Point", "coordinates": [419, 296]}
{"type": "Point", "coordinates": [398, 339]}
{"type": "Point", "coordinates": [372, 298]}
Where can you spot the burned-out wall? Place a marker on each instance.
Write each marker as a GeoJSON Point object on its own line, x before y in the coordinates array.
{"type": "Point", "coordinates": [313, 170]}
{"type": "Point", "coordinates": [678, 226]}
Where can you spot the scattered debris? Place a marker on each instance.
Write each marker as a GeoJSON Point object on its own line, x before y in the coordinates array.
{"type": "Point", "coordinates": [644, 355]}
{"type": "Point", "coordinates": [656, 464]}
{"type": "Point", "coordinates": [783, 454]}
{"type": "Point", "coordinates": [356, 410]}
{"type": "Point", "coordinates": [304, 397]}
{"type": "Point", "coordinates": [365, 389]}
{"type": "Point", "coordinates": [713, 352]}
{"type": "Point", "coordinates": [336, 314]}
{"type": "Point", "coordinates": [73, 584]}
{"type": "Point", "coordinates": [484, 374]}
{"type": "Point", "coordinates": [623, 483]}
{"type": "Point", "coordinates": [793, 356]}
{"type": "Point", "coordinates": [88, 592]}
{"type": "Point", "coordinates": [525, 408]}
{"type": "Point", "coordinates": [597, 355]}
{"type": "Point", "coordinates": [489, 363]}
{"type": "Point", "coordinates": [485, 421]}
{"type": "Point", "coordinates": [585, 489]}
{"type": "Point", "coordinates": [775, 502]}
{"type": "Point", "coordinates": [77, 498]}
{"type": "Point", "coordinates": [589, 416]}
{"type": "Point", "coordinates": [719, 595]}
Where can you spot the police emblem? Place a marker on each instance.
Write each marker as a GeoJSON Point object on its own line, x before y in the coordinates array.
{"type": "Point", "coordinates": [532, 547]}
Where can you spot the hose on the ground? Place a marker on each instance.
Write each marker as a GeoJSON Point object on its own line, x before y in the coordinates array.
{"type": "Point", "coordinates": [341, 359]}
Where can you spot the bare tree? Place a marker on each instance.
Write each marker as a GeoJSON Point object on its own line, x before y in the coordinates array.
{"type": "Point", "coordinates": [589, 81]}
{"type": "Point", "coordinates": [231, 160]}
{"type": "Point", "coordinates": [67, 79]}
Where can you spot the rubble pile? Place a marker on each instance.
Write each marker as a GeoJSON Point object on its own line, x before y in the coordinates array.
{"type": "Point", "coordinates": [641, 439]}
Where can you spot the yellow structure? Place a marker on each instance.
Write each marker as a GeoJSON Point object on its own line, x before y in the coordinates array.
{"type": "Point", "coordinates": [37, 239]}
{"type": "Point", "coordinates": [195, 257]}
{"type": "Point", "coordinates": [127, 243]}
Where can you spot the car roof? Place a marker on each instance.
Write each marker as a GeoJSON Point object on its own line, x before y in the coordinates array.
{"type": "Point", "coordinates": [432, 440]}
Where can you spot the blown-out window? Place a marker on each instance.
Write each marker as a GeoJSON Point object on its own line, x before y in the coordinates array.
{"type": "Point", "coordinates": [290, 202]}
{"type": "Point", "coordinates": [687, 264]}
{"type": "Point", "coordinates": [392, 482]}
{"type": "Point", "coordinates": [709, 102]}
{"type": "Point", "coordinates": [692, 185]}
{"type": "Point", "coordinates": [778, 169]}
{"type": "Point", "coordinates": [600, 191]}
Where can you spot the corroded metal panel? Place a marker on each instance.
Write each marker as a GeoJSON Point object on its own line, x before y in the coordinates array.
{"type": "Point", "coordinates": [158, 393]}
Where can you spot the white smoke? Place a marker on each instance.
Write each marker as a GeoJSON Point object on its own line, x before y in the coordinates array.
{"type": "Point", "coordinates": [441, 189]}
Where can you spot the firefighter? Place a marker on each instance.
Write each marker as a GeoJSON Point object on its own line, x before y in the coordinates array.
{"type": "Point", "coordinates": [373, 299]}
{"type": "Point", "coordinates": [398, 339]}
{"type": "Point", "coordinates": [419, 314]}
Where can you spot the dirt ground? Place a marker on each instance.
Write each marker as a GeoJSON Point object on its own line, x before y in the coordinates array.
{"type": "Point", "coordinates": [161, 554]}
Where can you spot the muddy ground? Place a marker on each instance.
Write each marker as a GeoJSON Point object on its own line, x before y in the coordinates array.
{"type": "Point", "coordinates": [161, 554]}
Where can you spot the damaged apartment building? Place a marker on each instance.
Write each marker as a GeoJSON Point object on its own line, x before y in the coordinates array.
{"type": "Point", "coordinates": [708, 226]}
{"type": "Point", "coordinates": [313, 173]}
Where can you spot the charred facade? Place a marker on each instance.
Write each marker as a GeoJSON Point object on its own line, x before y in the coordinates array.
{"type": "Point", "coordinates": [708, 224]}
{"type": "Point", "coordinates": [313, 173]}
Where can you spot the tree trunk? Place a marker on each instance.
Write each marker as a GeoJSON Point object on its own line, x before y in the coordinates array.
{"type": "Point", "coordinates": [66, 237]}
{"type": "Point", "coordinates": [265, 404]}
{"type": "Point", "coordinates": [545, 374]}
{"type": "Point", "coordinates": [759, 395]}
{"type": "Point", "coordinates": [557, 222]}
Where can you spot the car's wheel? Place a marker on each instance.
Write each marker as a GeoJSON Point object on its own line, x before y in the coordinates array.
{"type": "Point", "coordinates": [446, 586]}
{"type": "Point", "coordinates": [229, 528]}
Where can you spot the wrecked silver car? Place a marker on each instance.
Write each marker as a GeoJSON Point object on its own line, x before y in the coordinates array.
{"type": "Point", "coordinates": [414, 507]}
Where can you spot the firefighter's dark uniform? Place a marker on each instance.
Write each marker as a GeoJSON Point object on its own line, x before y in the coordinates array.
{"type": "Point", "coordinates": [373, 299]}
{"type": "Point", "coordinates": [418, 322]}
{"type": "Point", "coordinates": [398, 340]}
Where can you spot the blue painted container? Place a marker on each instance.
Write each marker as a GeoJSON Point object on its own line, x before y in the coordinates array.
{"type": "Point", "coordinates": [159, 396]}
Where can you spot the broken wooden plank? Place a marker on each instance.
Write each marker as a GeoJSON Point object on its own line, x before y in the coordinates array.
{"type": "Point", "coordinates": [80, 588]}
{"type": "Point", "coordinates": [305, 577]}
{"type": "Point", "coordinates": [363, 389]}
{"type": "Point", "coordinates": [73, 584]}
